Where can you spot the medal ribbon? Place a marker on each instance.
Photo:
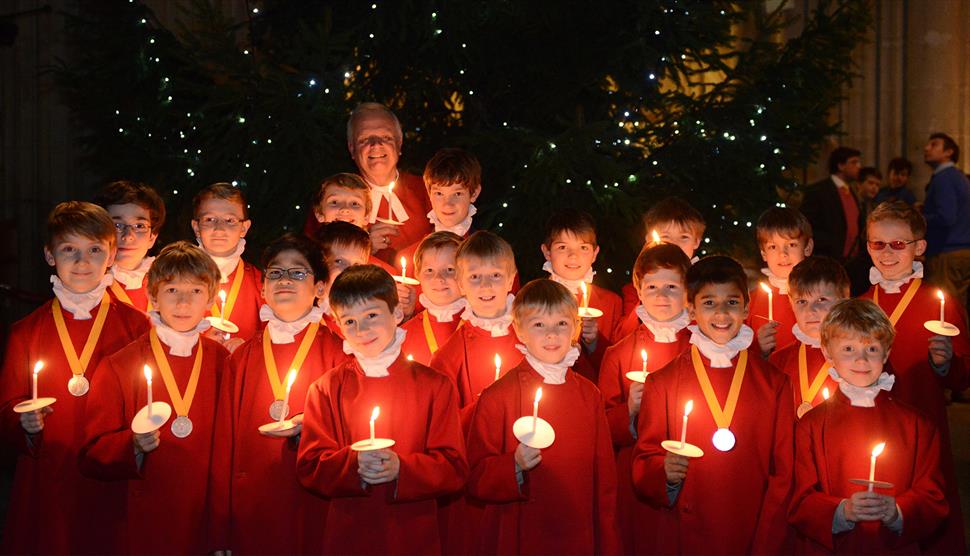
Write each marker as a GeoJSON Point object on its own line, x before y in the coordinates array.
{"type": "Point", "coordinates": [429, 334]}
{"type": "Point", "coordinates": [233, 293]}
{"type": "Point", "coordinates": [80, 364]}
{"type": "Point", "coordinates": [123, 297]}
{"type": "Point", "coordinates": [903, 303]}
{"type": "Point", "coordinates": [722, 416]}
{"type": "Point", "coordinates": [182, 404]}
{"type": "Point", "coordinates": [275, 380]}
{"type": "Point", "coordinates": [809, 392]}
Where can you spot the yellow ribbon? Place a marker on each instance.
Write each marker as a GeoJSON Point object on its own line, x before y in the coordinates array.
{"type": "Point", "coordinates": [429, 334]}
{"type": "Point", "coordinates": [123, 297]}
{"type": "Point", "coordinates": [233, 294]}
{"type": "Point", "coordinates": [722, 416]}
{"type": "Point", "coordinates": [275, 380]}
{"type": "Point", "coordinates": [182, 404]}
{"type": "Point", "coordinates": [80, 364]}
{"type": "Point", "coordinates": [903, 303]}
{"type": "Point", "coordinates": [809, 392]}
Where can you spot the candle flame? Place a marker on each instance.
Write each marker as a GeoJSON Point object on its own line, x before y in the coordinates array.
{"type": "Point", "coordinates": [38, 366]}
{"type": "Point", "coordinates": [688, 408]}
{"type": "Point", "coordinates": [643, 355]}
{"type": "Point", "coordinates": [538, 394]}
{"type": "Point", "coordinates": [939, 294]}
{"type": "Point", "coordinates": [222, 295]}
{"type": "Point", "coordinates": [404, 264]}
{"type": "Point", "coordinates": [582, 287]}
{"type": "Point", "coordinates": [390, 187]}
{"type": "Point", "coordinates": [410, 357]}
{"type": "Point", "coordinates": [375, 413]}
{"type": "Point", "coordinates": [148, 373]}
{"type": "Point", "coordinates": [290, 379]}
{"type": "Point", "coordinates": [498, 361]}
{"type": "Point", "coordinates": [878, 449]}
{"type": "Point", "coordinates": [825, 392]}
{"type": "Point", "coordinates": [655, 236]}
{"type": "Point", "coordinates": [765, 287]}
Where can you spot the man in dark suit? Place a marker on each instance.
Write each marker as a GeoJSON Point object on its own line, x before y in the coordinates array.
{"type": "Point", "coordinates": [837, 221]}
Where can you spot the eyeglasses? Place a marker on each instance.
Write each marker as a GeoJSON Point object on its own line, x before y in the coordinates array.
{"type": "Point", "coordinates": [297, 274]}
{"type": "Point", "coordinates": [138, 228]}
{"type": "Point", "coordinates": [210, 222]}
{"type": "Point", "coordinates": [897, 245]}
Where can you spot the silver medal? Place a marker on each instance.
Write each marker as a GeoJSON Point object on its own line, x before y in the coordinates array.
{"type": "Point", "coordinates": [803, 408]}
{"type": "Point", "coordinates": [723, 440]}
{"type": "Point", "coordinates": [182, 426]}
{"type": "Point", "coordinates": [276, 410]}
{"type": "Point", "coordinates": [78, 385]}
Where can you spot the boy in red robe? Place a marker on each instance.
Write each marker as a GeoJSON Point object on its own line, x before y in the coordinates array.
{"type": "Point", "coordinates": [560, 499]}
{"type": "Point", "coordinates": [734, 498]}
{"type": "Point", "coordinates": [570, 250]}
{"type": "Point", "coordinates": [50, 509]}
{"type": "Point", "coordinates": [661, 335]}
{"type": "Point", "coordinates": [923, 363]}
{"type": "Point", "coordinates": [785, 239]}
{"type": "Point", "coordinates": [440, 297]}
{"type": "Point", "coordinates": [138, 214]}
{"type": "Point", "coordinates": [166, 473]}
{"type": "Point", "coordinates": [382, 501]}
{"type": "Point", "coordinates": [265, 492]}
{"type": "Point", "coordinates": [831, 511]}
{"type": "Point", "coordinates": [814, 286]}
{"type": "Point", "coordinates": [220, 222]}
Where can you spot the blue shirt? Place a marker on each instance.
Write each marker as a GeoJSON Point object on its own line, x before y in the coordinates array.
{"type": "Point", "coordinates": [947, 210]}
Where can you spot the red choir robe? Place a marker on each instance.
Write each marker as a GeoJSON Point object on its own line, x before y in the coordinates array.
{"type": "Point", "coordinates": [419, 411]}
{"type": "Point", "coordinates": [245, 313]}
{"type": "Point", "coordinates": [833, 443]}
{"type": "Point", "coordinates": [419, 341]}
{"type": "Point", "coordinates": [166, 496]}
{"type": "Point", "coordinates": [567, 503]}
{"type": "Point", "coordinates": [786, 361]}
{"type": "Point", "coordinates": [783, 314]}
{"type": "Point", "coordinates": [259, 500]}
{"type": "Point", "coordinates": [137, 298]}
{"type": "Point", "coordinates": [50, 510]}
{"type": "Point", "coordinates": [918, 385]}
{"type": "Point", "coordinates": [731, 502]}
{"type": "Point", "coordinates": [630, 298]}
{"type": "Point", "coordinates": [612, 307]}
{"type": "Point", "coordinates": [621, 358]}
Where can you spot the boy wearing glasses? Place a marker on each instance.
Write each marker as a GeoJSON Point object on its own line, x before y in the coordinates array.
{"type": "Point", "coordinates": [220, 222]}
{"type": "Point", "coordinates": [138, 214]}
{"type": "Point", "coordinates": [896, 235]}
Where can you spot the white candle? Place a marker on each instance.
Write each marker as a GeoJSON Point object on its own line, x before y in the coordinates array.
{"type": "Point", "coordinates": [939, 293]}
{"type": "Point", "coordinates": [148, 378]}
{"type": "Point", "coordinates": [404, 267]}
{"type": "Point", "coordinates": [390, 191]}
{"type": "Point", "coordinates": [290, 378]}
{"type": "Point", "coordinates": [498, 366]}
{"type": "Point", "coordinates": [535, 410]}
{"type": "Point", "coordinates": [771, 312]}
{"type": "Point", "coordinates": [825, 393]}
{"type": "Point", "coordinates": [37, 367]}
{"type": "Point", "coordinates": [582, 287]}
{"type": "Point", "coordinates": [222, 305]}
{"type": "Point", "coordinates": [683, 430]}
{"type": "Point", "coordinates": [373, 418]}
{"type": "Point", "coordinates": [872, 462]}
{"type": "Point", "coordinates": [643, 355]}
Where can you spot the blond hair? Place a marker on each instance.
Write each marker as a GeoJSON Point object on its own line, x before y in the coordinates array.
{"type": "Point", "coordinates": [485, 246]}
{"type": "Point", "coordinates": [183, 260]}
{"type": "Point", "coordinates": [543, 296]}
{"type": "Point", "coordinates": [436, 240]}
{"type": "Point", "coordinates": [858, 317]}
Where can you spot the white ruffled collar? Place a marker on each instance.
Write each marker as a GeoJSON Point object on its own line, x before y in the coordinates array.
{"type": "Point", "coordinates": [443, 313]}
{"type": "Point", "coordinates": [721, 355]}
{"type": "Point", "coordinates": [228, 264]}
{"type": "Point", "coordinates": [863, 396]}
{"type": "Point", "coordinates": [780, 284]}
{"type": "Point", "coordinates": [179, 344]}
{"type": "Point", "coordinates": [571, 285]}
{"type": "Point", "coordinates": [804, 338]}
{"type": "Point", "coordinates": [664, 332]}
{"type": "Point", "coordinates": [324, 304]}
{"type": "Point", "coordinates": [552, 373]}
{"type": "Point", "coordinates": [460, 228]}
{"type": "Point", "coordinates": [80, 304]}
{"type": "Point", "coordinates": [894, 286]}
{"type": "Point", "coordinates": [282, 332]}
{"type": "Point", "coordinates": [499, 326]}
{"type": "Point", "coordinates": [377, 366]}
{"type": "Point", "coordinates": [132, 279]}
{"type": "Point", "coordinates": [378, 192]}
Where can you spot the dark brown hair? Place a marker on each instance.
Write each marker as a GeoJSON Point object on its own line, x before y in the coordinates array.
{"type": "Point", "coordinates": [80, 218]}
{"type": "Point", "coordinates": [361, 283]}
{"type": "Point", "coordinates": [186, 260]}
{"type": "Point", "coordinates": [812, 272]}
{"type": "Point", "coordinates": [716, 270]}
{"type": "Point", "coordinates": [654, 257]}
{"type": "Point", "coordinates": [123, 192]}
{"type": "Point", "coordinates": [219, 190]}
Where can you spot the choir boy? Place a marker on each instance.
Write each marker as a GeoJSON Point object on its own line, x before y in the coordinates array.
{"type": "Point", "coordinates": [345, 198]}
{"type": "Point", "coordinates": [661, 334]}
{"type": "Point", "coordinates": [166, 473]}
{"type": "Point", "coordinates": [138, 214]}
{"type": "Point", "coordinates": [220, 221]}
{"type": "Point", "coordinates": [814, 286]}
{"type": "Point", "coordinates": [381, 501]}
{"type": "Point", "coordinates": [835, 443]}
{"type": "Point", "coordinates": [734, 498]}
{"type": "Point", "coordinates": [922, 362]}
{"type": "Point", "coordinates": [784, 238]}
{"type": "Point", "coordinates": [50, 510]}
{"type": "Point", "coordinates": [560, 499]}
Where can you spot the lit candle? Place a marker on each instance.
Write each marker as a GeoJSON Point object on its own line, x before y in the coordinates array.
{"type": "Point", "coordinates": [148, 378]}
{"type": "Point", "coordinates": [683, 430]}
{"type": "Point", "coordinates": [404, 267]}
{"type": "Point", "coordinates": [643, 355]}
{"type": "Point", "coordinates": [373, 418]}
{"type": "Point", "coordinates": [939, 293]}
{"type": "Point", "coordinates": [655, 236]}
{"type": "Point", "coordinates": [825, 393]}
{"type": "Point", "coordinates": [390, 192]}
{"type": "Point", "coordinates": [37, 367]}
{"type": "Point", "coordinates": [535, 410]}
{"type": "Point", "coordinates": [872, 462]}
{"type": "Point", "coordinates": [771, 312]}
{"type": "Point", "coordinates": [498, 366]}
{"type": "Point", "coordinates": [222, 305]}
{"type": "Point", "coordinates": [582, 287]}
{"type": "Point", "coordinates": [410, 357]}
{"type": "Point", "coordinates": [290, 378]}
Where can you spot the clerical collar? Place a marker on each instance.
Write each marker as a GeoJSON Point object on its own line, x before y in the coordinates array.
{"type": "Point", "coordinates": [552, 373]}
{"type": "Point", "coordinates": [498, 326]}
{"type": "Point", "coordinates": [228, 264]}
{"type": "Point", "coordinates": [894, 286]}
{"type": "Point", "coordinates": [132, 279]}
{"type": "Point", "coordinates": [863, 396]}
{"type": "Point", "coordinates": [780, 284]}
{"type": "Point", "coordinates": [283, 332]}
{"type": "Point", "coordinates": [460, 228]}
{"type": "Point", "coordinates": [839, 182]}
{"type": "Point", "coordinates": [179, 344]}
{"type": "Point", "coordinates": [664, 332]}
{"type": "Point", "coordinates": [443, 313]}
{"type": "Point", "coordinates": [571, 285]}
{"type": "Point", "coordinates": [379, 192]}
{"type": "Point", "coordinates": [804, 338]}
{"type": "Point", "coordinates": [377, 366]}
{"type": "Point", "coordinates": [80, 304]}
{"type": "Point", "coordinates": [721, 355]}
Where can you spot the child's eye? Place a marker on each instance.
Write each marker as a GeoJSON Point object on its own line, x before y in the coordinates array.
{"type": "Point", "coordinates": [474, 277]}
{"type": "Point", "coordinates": [438, 194]}
{"type": "Point", "coordinates": [372, 315]}
{"type": "Point", "coordinates": [169, 290]}
{"type": "Point", "coordinates": [801, 302]}
{"type": "Point", "coordinates": [563, 323]}
{"type": "Point", "coordinates": [585, 248]}
{"type": "Point", "coordinates": [349, 322]}
{"type": "Point", "coordinates": [732, 302]}
{"type": "Point", "coordinates": [355, 204]}
{"type": "Point", "coordinates": [496, 275]}
{"type": "Point", "coordinates": [197, 291]}
{"type": "Point", "coordinates": [537, 325]}
{"type": "Point", "coordinates": [332, 203]}
{"type": "Point", "coordinates": [560, 248]}
{"type": "Point", "coordinates": [459, 194]}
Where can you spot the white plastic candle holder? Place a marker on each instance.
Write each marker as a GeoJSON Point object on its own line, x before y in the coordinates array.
{"type": "Point", "coordinates": [406, 280]}
{"type": "Point", "coordinates": [279, 429]}
{"type": "Point", "coordinates": [686, 449]}
{"type": "Point", "coordinates": [369, 445]}
{"type": "Point", "coordinates": [222, 324]}
{"type": "Point", "coordinates": [941, 328]}
{"type": "Point", "coordinates": [142, 423]}
{"type": "Point", "coordinates": [637, 376]}
{"type": "Point", "coordinates": [33, 405]}
{"type": "Point", "coordinates": [542, 436]}
{"type": "Point", "coordinates": [590, 313]}
{"type": "Point", "coordinates": [874, 484]}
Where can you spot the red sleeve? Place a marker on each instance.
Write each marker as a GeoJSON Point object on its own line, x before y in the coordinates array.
{"type": "Point", "coordinates": [492, 477]}
{"type": "Point", "coordinates": [15, 388]}
{"type": "Point", "coordinates": [441, 468]}
{"type": "Point", "coordinates": [649, 478]}
{"type": "Point", "coordinates": [611, 386]}
{"type": "Point", "coordinates": [771, 535]}
{"type": "Point", "coordinates": [607, 533]}
{"type": "Point", "coordinates": [108, 452]}
{"type": "Point", "coordinates": [630, 298]}
{"type": "Point", "coordinates": [220, 468]}
{"type": "Point", "coordinates": [812, 510]}
{"type": "Point", "coordinates": [923, 506]}
{"type": "Point", "coordinates": [958, 377]}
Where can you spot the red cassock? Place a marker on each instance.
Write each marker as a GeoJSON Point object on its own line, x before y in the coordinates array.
{"type": "Point", "coordinates": [624, 356]}
{"type": "Point", "coordinates": [245, 313]}
{"type": "Point", "coordinates": [413, 195]}
{"type": "Point", "coordinates": [833, 444]}
{"type": "Point", "coordinates": [137, 298]}
{"type": "Point", "coordinates": [917, 385]}
{"type": "Point", "coordinates": [566, 504]}
{"type": "Point", "coordinates": [50, 508]}
{"type": "Point", "coordinates": [426, 332]}
{"type": "Point", "coordinates": [783, 314]}
{"type": "Point", "coordinates": [268, 510]}
{"type": "Point", "coordinates": [419, 411]}
{"type": "Point", "coordinates": [630, 298]}
{"type": "Point", "coordinates": [786, 361]}
{"type": "Point", "coordinates": [165, 505]}
{"type": "Point", "coordinates": [612, 307]}
{"type": "Point", "coordinates": [731, 502]}
{"type": "Point", "coordinates": [468, 357]}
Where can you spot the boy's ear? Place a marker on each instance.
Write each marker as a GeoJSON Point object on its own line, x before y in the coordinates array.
{"type": "Point", "coordinates": [245, 227]}
{"type": "Point", "coordinates": [690, 311]}
{"type": "Point", "coordinates": [825, 353]}
{"type": "Point", "coordinates": [112, 253]}
{"type": "Point", "coordinates": [49, 257]}
{"type": "Point", "coordinates": [809, 247]}
{"type": "Point", "coordinates": [920, 247]}
{"type": "Point", "coordinates": [195, 228]}
{"type": "Point", "coordinates": [320, 289]}
{"type": "Point", "coordinates": [474, 194]}
{"type": "Point", "coordinates": [545, 251]}
{"type": "Point", "coordinates": [398, 314]}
